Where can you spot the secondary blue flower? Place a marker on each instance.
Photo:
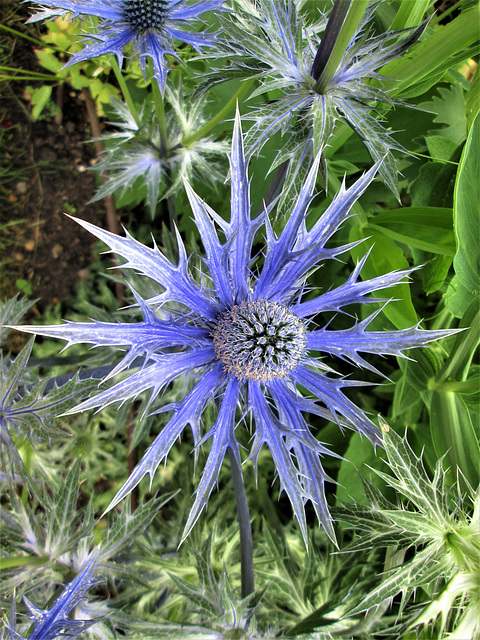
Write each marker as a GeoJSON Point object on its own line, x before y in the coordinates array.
{"type": "Point", "coordinates": [250, 338]}
{"type": "Point", "coordinates": [151, 25]}
{"type": "Point", "coordinates": [274, 44]}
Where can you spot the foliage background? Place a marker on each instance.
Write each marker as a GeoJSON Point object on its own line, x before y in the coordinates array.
{"type": "Point", "coordinates": [405, 516]}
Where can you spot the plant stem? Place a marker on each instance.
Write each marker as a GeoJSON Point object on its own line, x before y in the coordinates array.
{"type": "Point", "coordinates": [126, 93]}
{"type": "Point", "coordinates": [243, 514]}
{"type": "Point", "coordinates": [162, 126]}
{"type": "Point", "coordinates": [160, 114]}
{"type": "Point", "coordinates": [338, 35]}
{"type": "Point", "coordinates": [220, 117]}
{"type": "Point", "coordinates": [325, 48]}
{"type": "Point", "coordinates": [25, 37]}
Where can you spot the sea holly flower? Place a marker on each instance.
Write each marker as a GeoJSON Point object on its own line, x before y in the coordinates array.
{"type": "Point", "coordinates": [274, 44]}
{"type": "Point", "coordinates": [135, 151]}
{"type": "Point", "coordinates": [249, 336]}
{"type": "Point", "coordinates": [151, 25]}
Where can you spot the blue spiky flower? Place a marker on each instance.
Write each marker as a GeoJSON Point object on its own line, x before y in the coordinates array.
{"type": "Point", "coordinates": [275, 45]}
{"type": "Point", "coordinates": [247, 338]}
{"type": "Point", "coordinates": [151, 25]}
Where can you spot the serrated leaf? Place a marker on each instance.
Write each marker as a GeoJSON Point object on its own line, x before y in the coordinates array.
{"type": "Point", "coordinates": [127, 525]}
{"type": "Point", "coordinates": [11, 311]}
{"type": "Point", "coordinates": [413, 523]}
{"type": "Point", "coordinates": [420, 570]}
{"type": "Point", "coordinates": [413, 481]}
{"type": "Point", "coordinates": [449, 107]}
{"type": "Point", "coordinates": [195, 596]}
{"type": "Point", "coordinates": [66, 502]}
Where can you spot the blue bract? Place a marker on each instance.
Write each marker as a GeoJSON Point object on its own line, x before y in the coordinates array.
{"type": "Point", "coordinates": [247, 338]}
{"type": "Point", "coordinates": [151, 25]}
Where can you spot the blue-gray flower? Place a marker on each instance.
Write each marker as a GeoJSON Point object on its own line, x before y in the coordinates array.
{"type": "Point", "coordinates": [151, 25]}
{"type": "Point", "coordinates": [249, 337]}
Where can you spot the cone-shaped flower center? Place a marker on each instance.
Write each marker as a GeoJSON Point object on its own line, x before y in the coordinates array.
{"type": "Point", "coordinates": [259, 340]}
{"type": "Point", "coordinates": [143, 15]}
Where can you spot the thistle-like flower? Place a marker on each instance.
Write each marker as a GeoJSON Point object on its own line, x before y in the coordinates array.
{"type": "Point", "coordinates": [151, 25]}
{"type": "Point", "coordinates": [135, 152]}
{"type": "Point", "coordinates": [274, 44]}
{"type": "Point", "coordinates": [250, 337]}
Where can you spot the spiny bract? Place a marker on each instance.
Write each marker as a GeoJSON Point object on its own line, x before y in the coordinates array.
{"type": "Point", "coordinates": [247, 340]}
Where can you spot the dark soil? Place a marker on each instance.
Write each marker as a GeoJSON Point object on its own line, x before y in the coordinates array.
{"type": "Point", "coordinates": [43, 173]}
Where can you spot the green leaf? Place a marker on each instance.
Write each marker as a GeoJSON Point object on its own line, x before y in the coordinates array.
{"type": "Point", "coordinates": [418, 571]}
{"type": "Point", "coordinates": [472, 103]}
{"type": "Point", "coordinates": [409, 14]}
{"type": "Point", "coordinates": [359, 456]}
{"type": "Point", "coordinates": [452, 428]}
{"type": "Point", "coordinates": [449, 107]}
{"type": "Point", "coordinates": [40, 98]}
{"type": "Point", "coordinates": [426, 63]}
{"type": "Point", "coordinates": [426, 228]}
{"type": "Point", "coordinates": [457, 298]}
{"type": "Point", "coordinates": [458, 364]}
{"type": "Point", "coordinates": [413, 522]}
{"type": "Point", "coordinates": [384, 257]}
{"type": "Point", "coordinates": [407, 402]}
{"type": "Point", "coordinates": [411, 478]}
{"type": "Point", "coordinates": [440, 147]}
{"type": "Point", "coordinates": [423, 367]}
{"type": "Point", "coordinates": [466, 207]}
{"type": "Point", "coordinates": [49, 60]}
{"type": "Point", "coordinates": [66, 503]}
{"type": "Point", "coordinates": [435, 272]}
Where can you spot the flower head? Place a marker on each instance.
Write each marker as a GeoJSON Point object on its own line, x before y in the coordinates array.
{"type": "Point", "coordinates": [151, 25]}
{"type": "Point", "coordinates": [251, 339]}
{"type": "Point", "coordinates": [135, 152]}
{"type": "Point", "coordinates": [277, 47]}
